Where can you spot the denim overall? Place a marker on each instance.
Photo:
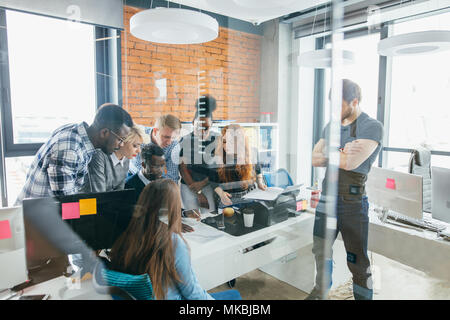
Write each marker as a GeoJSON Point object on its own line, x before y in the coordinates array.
{"type": "Point", "coordinates": [351, 217]}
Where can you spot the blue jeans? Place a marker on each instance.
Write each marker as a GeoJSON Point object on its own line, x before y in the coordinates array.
{"type": "Point", "coordinates": [353, 223]}
{"type": "Point", "coordinates": [227, 295]}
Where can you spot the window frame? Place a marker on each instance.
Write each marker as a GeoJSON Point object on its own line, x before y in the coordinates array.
{"type": "Point", "coordinates": [107, 61]}
{"type": "Point", "coordinates": [384, 85]}
{"type": "Point", "coordinates": [108, 82]}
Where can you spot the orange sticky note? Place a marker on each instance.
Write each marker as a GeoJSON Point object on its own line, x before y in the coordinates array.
{"type": "Point", "coordinates": [301, 205]}
{"type": "Point", "coordinates": [70, 210]}
{"type": "Point", "coordinates": [88, 206]}
{"type": "Point", "coordinates": [5, 230]}
{"type": "Point", "coordinates": [390, 184]}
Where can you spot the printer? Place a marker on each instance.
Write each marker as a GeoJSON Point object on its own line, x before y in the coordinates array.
{"type": "Point", "coordinates": [268, 212]}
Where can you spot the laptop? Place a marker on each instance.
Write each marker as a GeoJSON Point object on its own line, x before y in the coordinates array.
{"type": "Point", "coordinates": [440, 201]}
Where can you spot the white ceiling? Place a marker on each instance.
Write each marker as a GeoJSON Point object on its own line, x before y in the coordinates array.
{"type": "Point", "coordinates": [253, 11]}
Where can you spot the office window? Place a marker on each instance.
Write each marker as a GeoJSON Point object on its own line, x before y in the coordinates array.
{"type": "Point", "coordinates": [420, 92]}
{"type": "Point", "coordinates": [440, 161]}
{"type": "Point", "coordinates": [364, 72]}
{"type": "Point", "coordinates": [16, 172]}
{"type": "Point", "coordinates": [51, 72]}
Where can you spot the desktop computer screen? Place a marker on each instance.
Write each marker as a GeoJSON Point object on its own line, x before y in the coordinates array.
{"type": "Point", "coordinates": [440, 190]}
{"type": "Point", "coordinates": [396, 191]}
{"type": "Point", "coordinates": [13, 269]}
{"type": "Point", "coordinates": [74, 224]}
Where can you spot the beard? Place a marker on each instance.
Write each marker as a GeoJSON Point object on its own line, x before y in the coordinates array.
{"type": "Point", "coordinates": [346, 114]}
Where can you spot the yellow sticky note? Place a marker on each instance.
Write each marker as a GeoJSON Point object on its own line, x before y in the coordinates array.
{"type": "Point", "coordinates": [88, 206]}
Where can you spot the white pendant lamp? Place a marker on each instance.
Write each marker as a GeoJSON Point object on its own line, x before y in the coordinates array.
{"type": "Point", "coordinates": [252, 9]}
{"type": "Point", "coordinates": [174, 26]}
{"type": "Point", "coordinates": [321, 59]}
{"type": "Point", "coordinates": [415, 43]}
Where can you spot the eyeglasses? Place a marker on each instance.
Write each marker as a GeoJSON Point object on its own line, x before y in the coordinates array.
{"type": "Point", "coordinates": [122, 140]}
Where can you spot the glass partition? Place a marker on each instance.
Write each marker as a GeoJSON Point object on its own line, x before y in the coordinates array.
{"type": "Point", "coordinates": [297, 171]}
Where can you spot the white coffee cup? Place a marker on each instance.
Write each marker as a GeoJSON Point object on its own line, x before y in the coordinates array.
{"type": "Point", "coordinates": [248, 218]}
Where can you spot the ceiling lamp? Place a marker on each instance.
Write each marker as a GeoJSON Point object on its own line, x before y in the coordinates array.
{"type": "Point", "coordinates": [174, 26]}
{"type": "Point", "coordinates": [415, 43]}
{"type": "Point", "coordinates": [252, 9]}
{"type": "Point", "coordinates": [321, 59]}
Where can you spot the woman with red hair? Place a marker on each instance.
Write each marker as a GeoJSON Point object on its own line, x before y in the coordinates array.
{"type": "Point", "coordinates": [237, 169]}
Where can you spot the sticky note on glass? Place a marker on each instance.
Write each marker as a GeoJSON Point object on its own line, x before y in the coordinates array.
{"type": "Point", "coordinates": [390, 184]}
{"type": "Point", "coordinates": [70, 210]}
{"type": "Point", "coordinates": [301, 205]}
{"type": "Point", "coordinates": [5, 230]}
{"type": "Point", "coordinates": [88, 206]}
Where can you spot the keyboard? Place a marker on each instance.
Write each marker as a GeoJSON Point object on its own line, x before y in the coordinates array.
{"type": "Point", "coordinates": [423, 224]}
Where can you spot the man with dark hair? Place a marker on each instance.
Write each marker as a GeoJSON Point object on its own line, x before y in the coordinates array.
{"type": "Point", "coordinates": [61, 164]}
{"type": "Point", "coordinates": [361, 138]}
{"type": "Point", "coordinates": [164, 134]}
{"type": "Point", "coordinates": [197, 151]}
{"type": "Point", "coordinates": [153, 168]}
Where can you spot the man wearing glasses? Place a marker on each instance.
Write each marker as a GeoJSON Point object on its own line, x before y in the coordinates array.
{"type": "Point", "coordinates": [60, 165]}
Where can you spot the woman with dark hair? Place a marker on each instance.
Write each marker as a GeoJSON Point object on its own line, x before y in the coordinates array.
{"type": "Point", "coordinates": [237, 171]}
{"type": "Point", "coordinates": [153, 244]}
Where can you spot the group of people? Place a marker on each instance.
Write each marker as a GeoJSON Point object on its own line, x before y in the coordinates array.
{"type": "Point", "coordinates": [114, 153]}
{"type": "Point", "coordinates": [204, 170]}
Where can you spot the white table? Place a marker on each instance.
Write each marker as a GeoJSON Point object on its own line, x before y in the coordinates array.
{"type": "Point", "coordinates": [222, 257]}
{"type": "Point", "coordinates": [417, 248]}
{"type": "Point", "coordinates": [216, 256]}
{"type": "Point", "coordinates": [64, 288]}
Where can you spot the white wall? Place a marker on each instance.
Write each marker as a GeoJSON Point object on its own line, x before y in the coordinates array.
{"type": "Point", "coordinates": [306, 113]}
{"type": "Point", "coordinates": [288, 91]}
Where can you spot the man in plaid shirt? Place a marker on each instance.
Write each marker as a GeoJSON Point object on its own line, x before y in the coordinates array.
{"type": "Point", "coordinates": [164, 134]}
{"type": "Point", "coordinates": [62, 162]}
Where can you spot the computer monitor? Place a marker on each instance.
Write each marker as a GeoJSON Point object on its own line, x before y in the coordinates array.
{"type": "Point", "coordinates": [75, 224]}
{"type": "Point", "coordinates": [396, 191]}
{"type": "Point", "coordinates": [13, 269]}
{"type": "Point", "coordinates": [440, 190]}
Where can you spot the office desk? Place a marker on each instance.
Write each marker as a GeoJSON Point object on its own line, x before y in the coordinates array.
{"type": "Point", "coordinates": [62, 288]}
{"type": "Point", "coordinates": [417, 248]}
{"type": "Point", "coordinates": [216, 256]}
{"type": "Point", "coordinates": [221, 257]}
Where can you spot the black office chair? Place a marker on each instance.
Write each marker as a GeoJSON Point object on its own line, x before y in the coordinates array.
{"type": "Point", "coordinates": [101, 286]}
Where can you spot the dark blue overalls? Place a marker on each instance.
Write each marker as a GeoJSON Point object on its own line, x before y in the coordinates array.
{"type": "Point", "coordinates": [351, 219]}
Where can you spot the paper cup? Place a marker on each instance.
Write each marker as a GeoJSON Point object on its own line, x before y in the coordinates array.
{"type": "Point", "coordinates": [248, 217]}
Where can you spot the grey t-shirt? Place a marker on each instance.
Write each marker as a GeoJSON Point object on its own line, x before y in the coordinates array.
{"type": "Point", "coordinates": [364, 127]}
{"type": "Point", "coordinates": [104, 175]}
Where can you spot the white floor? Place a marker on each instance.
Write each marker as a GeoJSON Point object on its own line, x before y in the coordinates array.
{"type": "Point", "coordinates": [392, 281]}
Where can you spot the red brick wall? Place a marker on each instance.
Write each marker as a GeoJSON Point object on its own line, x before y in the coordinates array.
{"type": "Point", "coordinates": [231, 65]}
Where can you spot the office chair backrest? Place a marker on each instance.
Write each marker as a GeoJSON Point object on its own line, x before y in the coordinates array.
{"type": "Point", "coordinates": [280, 178]}
{"type": "Point", "coordinates": [122, 286]}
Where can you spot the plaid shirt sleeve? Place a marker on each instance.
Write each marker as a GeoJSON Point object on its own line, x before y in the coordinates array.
{"type": "Point", "coordinates": [61, 172]}
{"type": "Point", "coordinates": [172, 155]}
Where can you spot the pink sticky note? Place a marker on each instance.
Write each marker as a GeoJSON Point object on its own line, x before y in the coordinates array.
{"type": "Point", "coordinates": [71, 210]}
{"type": "Point", "coordinates": [390, 184]}
{"type": "Point", "coordinates": [299, 205]}
{"type": "Point", "coordinates": [5, 230]}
